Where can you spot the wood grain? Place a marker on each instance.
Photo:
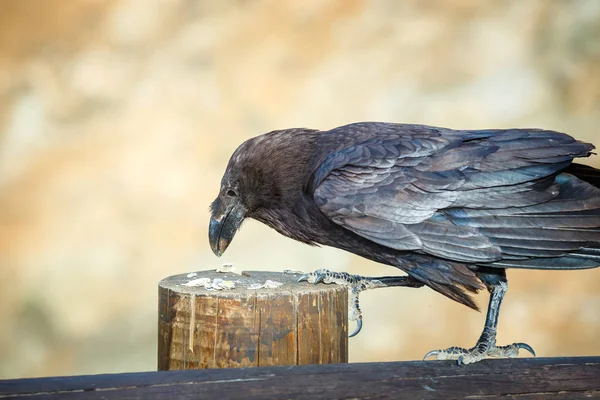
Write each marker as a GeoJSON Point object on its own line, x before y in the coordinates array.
{"type": "Point", "coordinates": [296, 323]}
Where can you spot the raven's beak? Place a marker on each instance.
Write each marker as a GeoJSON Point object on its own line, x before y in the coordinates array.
{"type": "Point", "coordinates": [227, 216]}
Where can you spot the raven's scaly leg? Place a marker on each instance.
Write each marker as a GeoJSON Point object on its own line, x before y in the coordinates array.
{"type": "Point", "coordinates": [356, 284]}
{"type": "Point", "coordinates": [486, 345]}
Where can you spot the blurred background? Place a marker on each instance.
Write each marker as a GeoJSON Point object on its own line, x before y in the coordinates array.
{"type": "Point", "coordinates": [117, 119]}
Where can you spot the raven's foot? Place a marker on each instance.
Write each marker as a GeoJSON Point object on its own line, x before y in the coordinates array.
{"type": "Point", "coordinates": [354, 283]}
{"type": "Point", "coordinates": [483, 349]}
{"type": "Point", "coordinates": [342, 278]}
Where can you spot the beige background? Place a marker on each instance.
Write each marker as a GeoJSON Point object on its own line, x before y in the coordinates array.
{"type": "Point", "coordinates": [117, 119]}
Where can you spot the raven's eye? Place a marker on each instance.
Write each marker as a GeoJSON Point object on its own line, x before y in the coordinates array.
{"type": "Point", "coordinates": [231, 193]}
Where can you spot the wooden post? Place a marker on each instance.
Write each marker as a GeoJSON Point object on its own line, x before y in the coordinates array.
{"type": "Point", "coordinates": [295, 323]}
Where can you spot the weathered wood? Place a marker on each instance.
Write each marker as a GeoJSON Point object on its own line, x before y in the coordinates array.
{"type": "Point", "coordinates": [296, 323]}
{"type": "Point", "coordinates": [525, 378]}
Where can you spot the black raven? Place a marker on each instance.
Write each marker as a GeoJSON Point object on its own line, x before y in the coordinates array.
{"type": "Point", "coordinates": [451, 208]}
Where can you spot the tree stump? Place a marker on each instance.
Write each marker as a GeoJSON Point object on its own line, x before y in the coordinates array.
{"type": "Point", "coordinates": [295, 323]}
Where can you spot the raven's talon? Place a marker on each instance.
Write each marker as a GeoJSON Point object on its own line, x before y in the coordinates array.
{"type": "Point", "coordinates": [451, 353]}
{"type": "Point", "coordinates": [358, 327]}
{"type": "Point", "coordinates": [525, 346]}
{"type": "Point", "coordinates": [431, 353]}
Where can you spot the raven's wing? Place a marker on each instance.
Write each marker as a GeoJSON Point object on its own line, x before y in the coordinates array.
{"type": "Point", "coordinates": [444, 193]}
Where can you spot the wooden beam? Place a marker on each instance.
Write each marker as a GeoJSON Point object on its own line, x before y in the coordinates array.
{"type": "Point", "coordinates": [291, 324]}
{"type": "Point", "coordinates": [523, 379]}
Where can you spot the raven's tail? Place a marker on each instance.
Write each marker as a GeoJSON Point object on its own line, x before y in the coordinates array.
{"type": "Point", "coordinates": [586, 173]}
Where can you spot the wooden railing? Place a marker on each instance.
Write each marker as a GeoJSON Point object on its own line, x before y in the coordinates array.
{"type": "Point", "coordinates": [525, 378]}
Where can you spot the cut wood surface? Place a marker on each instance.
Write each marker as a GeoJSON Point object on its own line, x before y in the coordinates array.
{"type": "Point", "coordinates": [524, 378]}
{"type": "Point", "coordinates": [294, 323]}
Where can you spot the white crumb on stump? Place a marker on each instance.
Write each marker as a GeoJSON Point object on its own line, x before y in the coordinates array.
{"type": "Point", "coordinates": [255, 286]}
{"type": "Point", "coordinates": [227, 267]}
{"type": "Point", "coordinates": [211, 284]}
{"type": "Point", "coordinates": [293, 272]}
{"type": "Point", "coordinates": [269, 284]}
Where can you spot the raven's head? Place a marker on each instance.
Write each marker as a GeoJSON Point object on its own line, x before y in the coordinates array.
{"type": "Point", "coordinates": [265, 173]}
{"type": "Point", "coordinates": [235, 200]}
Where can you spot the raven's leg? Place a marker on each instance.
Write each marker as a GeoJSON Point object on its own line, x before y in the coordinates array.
{"type": "Point", "coordinates": [486, 345]}
{"type": "Point", "coordinates": [356, 284]}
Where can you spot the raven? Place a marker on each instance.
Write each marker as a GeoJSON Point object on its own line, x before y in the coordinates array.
{"type": "Point", "coordinates": [453, 209]}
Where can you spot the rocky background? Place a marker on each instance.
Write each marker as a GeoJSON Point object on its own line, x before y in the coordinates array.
{"type": "Point", "coordinates": [117, 119]}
